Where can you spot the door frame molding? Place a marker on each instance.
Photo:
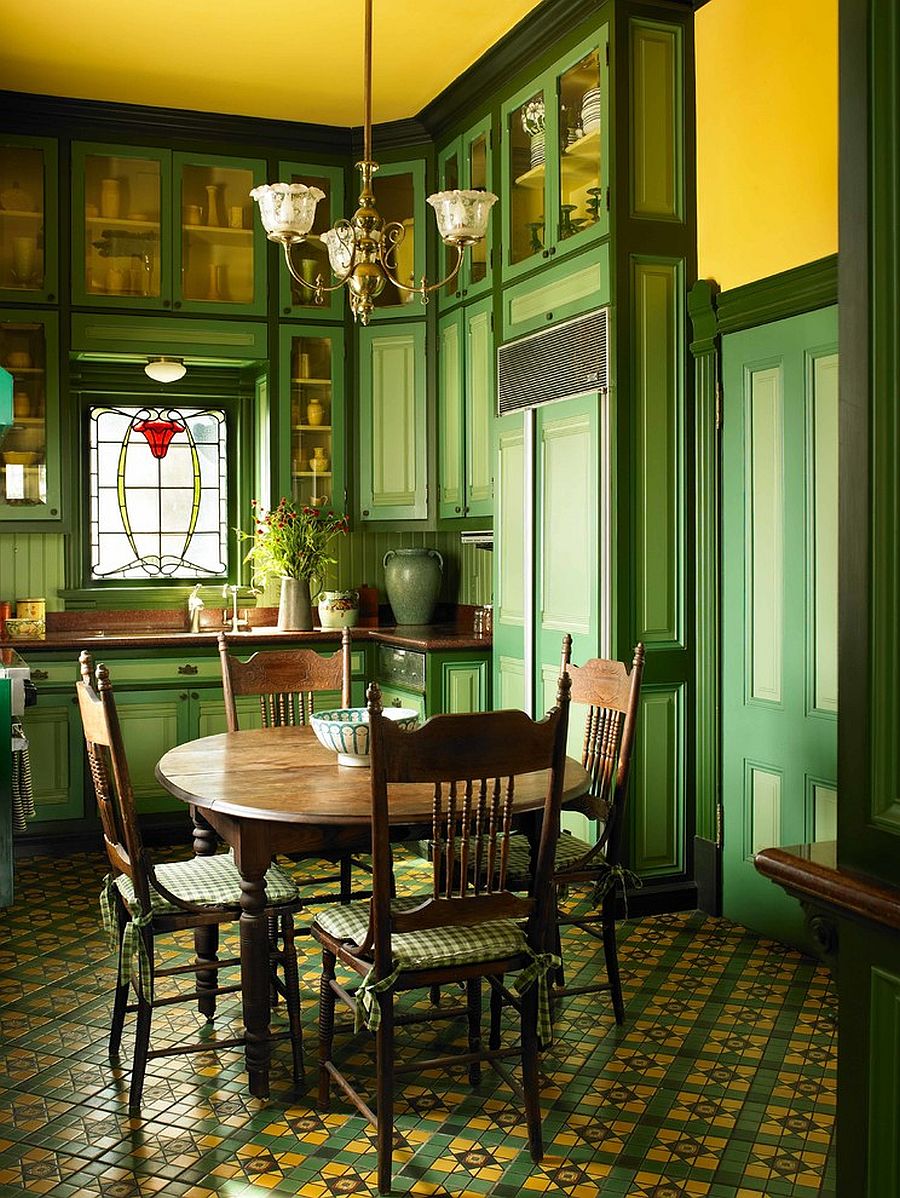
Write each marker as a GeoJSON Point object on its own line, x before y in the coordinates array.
{"type": "Point", "coordinates": [714, 314]}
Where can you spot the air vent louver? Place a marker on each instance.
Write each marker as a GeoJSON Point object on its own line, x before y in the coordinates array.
{"type": "Point", "coordinates": [569, 359]}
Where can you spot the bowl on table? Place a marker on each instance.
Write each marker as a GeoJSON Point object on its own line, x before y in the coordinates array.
{"type": "Point", "coordinates": [24, 628]}
{"type": "Point", "coordinates": [345, 730]}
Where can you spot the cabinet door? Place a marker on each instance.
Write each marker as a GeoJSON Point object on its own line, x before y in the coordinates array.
{"type": "Point", "coordinates": [464, 686]}
{"type": "Point", "coordinates": [393, 697]}
{"type": "Point", "coordinates": [479, 408]}
{"type": "Point", "coordinates": [30, 453]}
{"type": "Point", "coordinates": [152, 722]}
{"type": "Point", "coordinates": [220, 245]}
{"type": "Point", "coordinates": [208, 712]}
{"type": "Point", "coordinates": [450, 177]}
{"type": "Point", "coordinates": [121, 226]}
{"type": "Point", "coordinates": [400, 196]}
{"type": "Point", "coordinates": [56, 753]}
{"type": "Point", "coordinates": [527, 227]}
{"type": "Point", "coordinates": [579, 175]}
{"type": "Point", "coordinates": [478, 175]}
{"type": "Point", "coordinates": [28, 220]}
{"type": "Point", "coordinates": [511, 568]}
{"type": "Point", "coordinates": [312, 381]}
{"type": "Point", "coordinates": [311, 258]}
{"type": "Point", "coordinates": [451, 429]}
{"type": "Point", "coordinates": [393, 420]}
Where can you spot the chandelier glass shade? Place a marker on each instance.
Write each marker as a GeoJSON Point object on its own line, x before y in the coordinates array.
{"type": "Point", "coordinates": [362, 250]}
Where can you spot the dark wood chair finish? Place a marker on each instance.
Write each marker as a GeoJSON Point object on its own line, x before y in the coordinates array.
{"type": "Point", "coordinates": [472, 762]}
{"type": "Point", "coordinates": [287, 683]}
{"type": "Point", "coordinates": [127, 855]}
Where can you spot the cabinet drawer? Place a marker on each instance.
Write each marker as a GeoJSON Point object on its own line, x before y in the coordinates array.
{"type": "Point", "coordinates": [393, 697]}
{"type": "Point", "coordinates": [401, 667]}
{"type": "Point", "coordinates": [53, 673]}
{"type": "Point", "coordinates": [177, 670]}
{"type": "Point", "coordinates": [557, 294]}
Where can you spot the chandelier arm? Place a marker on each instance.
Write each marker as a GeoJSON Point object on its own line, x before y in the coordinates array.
{"type": "Point", "coordinates": [424, 288]}
{"type": "Point", "coordinates": [318, 287]}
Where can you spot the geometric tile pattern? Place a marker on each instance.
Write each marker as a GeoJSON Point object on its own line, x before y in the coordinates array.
{"type": "Point", "coordinates": [721, 1084]}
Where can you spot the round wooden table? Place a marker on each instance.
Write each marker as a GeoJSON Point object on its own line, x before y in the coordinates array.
{"type": "Point", "coordinates": [277, 790]}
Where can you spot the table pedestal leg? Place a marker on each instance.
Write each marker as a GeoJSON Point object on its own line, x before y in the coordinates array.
{"type": "Point", "coordinates": [255, 965]}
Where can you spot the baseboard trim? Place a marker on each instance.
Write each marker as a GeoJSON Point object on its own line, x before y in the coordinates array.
{"type": "Point", "coordinates": [708, 873]}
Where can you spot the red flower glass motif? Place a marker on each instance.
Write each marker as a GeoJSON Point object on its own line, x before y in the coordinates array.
{"type": "Point", "coordinates": [159, 433]}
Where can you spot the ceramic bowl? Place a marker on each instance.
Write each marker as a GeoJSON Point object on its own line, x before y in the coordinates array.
{"type": "Point", "coordinates": [20, 628]}
{"type": "Point", "coordinates": [345, 730]}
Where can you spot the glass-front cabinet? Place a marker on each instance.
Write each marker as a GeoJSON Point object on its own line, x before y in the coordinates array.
{"type": "Point", "coordinates": [29, 450]}
{"type": "Point", "coordinates": [400, 196]}
{"type": "Point", "coordinates": [312, 373]}
{"type": "Point", "coordinates": [310, 258]}
{"type": "Point", "coordinates": [555, 152]}
{"type": "Point", "coordinates": [220, 255]}
{"type": "Point", "coordinates": [468, 163]}
{"type": "Point", "coordinates": [153, 229]}
{"type": "Point", "coordinates": [28, 220]}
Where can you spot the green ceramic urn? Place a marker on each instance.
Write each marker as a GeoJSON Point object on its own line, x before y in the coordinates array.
{"type": "Point", "coordinates": [413, 582]}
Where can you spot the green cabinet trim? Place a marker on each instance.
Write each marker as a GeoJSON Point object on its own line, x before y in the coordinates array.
{"type": "Point", "coordinates": [124, 338]}
{"type": "Point", "coordinates": [393, 423]}
{"type": "Point", "coordinates": [656, 129]}
{"type": "Point", "coordinates": [49, 292]}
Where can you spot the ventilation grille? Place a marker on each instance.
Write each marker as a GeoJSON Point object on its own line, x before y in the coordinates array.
{"type": "Point", "coordinates": [569, 359]}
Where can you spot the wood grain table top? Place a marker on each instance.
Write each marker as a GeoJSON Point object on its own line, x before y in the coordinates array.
{"type": "Point", "coordinates": [285, 775]}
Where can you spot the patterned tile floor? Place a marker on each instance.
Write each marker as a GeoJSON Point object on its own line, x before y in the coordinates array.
{"type": "Point", "coordinates": [720, 1085]}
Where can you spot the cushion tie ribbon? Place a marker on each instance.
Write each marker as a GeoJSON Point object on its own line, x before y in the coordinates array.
{"type": "Point", "coordinates": [612, 876]}
{"type": "Point", "coordinates": [133, 955]}
{"type": "Point", "coordinates": [536, 971]}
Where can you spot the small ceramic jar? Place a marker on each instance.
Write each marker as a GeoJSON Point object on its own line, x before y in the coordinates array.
{"type": "Point", "coordinates": [315, 413]}
{"type": "Point", "coordinates": [319, 461]}
{"type": "Point", "coordinates": [339, 609]}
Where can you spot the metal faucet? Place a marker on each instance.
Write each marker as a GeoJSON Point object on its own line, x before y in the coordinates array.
{"type": "Point", "coordinates": [195, 606]}
{"type": "Point", "coordinates": [233, 592]}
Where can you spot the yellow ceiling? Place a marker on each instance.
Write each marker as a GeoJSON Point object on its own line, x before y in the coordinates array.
{"type": "Point", "coordinates": [269, 58]}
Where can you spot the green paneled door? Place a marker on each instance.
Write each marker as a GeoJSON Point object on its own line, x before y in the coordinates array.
{"type": "Point", "coordinates": [779, 689]}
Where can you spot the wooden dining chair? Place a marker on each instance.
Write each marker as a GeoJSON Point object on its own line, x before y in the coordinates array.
{"type": "Point", "coordinates": [611, 692]}
{"type": "Point", "coordinates": [289, 683]}
{"type": "Point", "coordinates": [471, 926]}
{"type": "Point", "coordinates": [141, 901]}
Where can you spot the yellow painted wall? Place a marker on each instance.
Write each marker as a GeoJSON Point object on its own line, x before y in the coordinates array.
{"type": "Point", "coordinates": [767, 136]}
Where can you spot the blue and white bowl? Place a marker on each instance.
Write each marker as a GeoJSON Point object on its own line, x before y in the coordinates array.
{"type": "Point", "coordinates": [346, 730]}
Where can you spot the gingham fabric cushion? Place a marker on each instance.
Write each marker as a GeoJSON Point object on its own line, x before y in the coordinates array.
{"type": "Point", "coordinates": [569, 849]}
{"type": "Point", "coordinates": [214, 881]}
{"type": "Point", "coordinates": [431, 949]}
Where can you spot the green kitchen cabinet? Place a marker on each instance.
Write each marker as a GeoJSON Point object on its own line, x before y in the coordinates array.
{"type": "Point", "coordinates": [400, 196]}
{"type": "Point", "coordinates": [311, 440]}
{"type": "Point", "coordinates": [557, 293]}
{"type": "Point", "coordinates": [434, 683]}
{"type": "Point", "coordinates": [468, 163]}
{"type": "Point", "coordinates": [56, 754]}
{"type": "Point", "coordinates": [29, 220]}
{"type": "Point", "coordinates": [395, 696]}
{"type": "Point", "coordinates": [152, 722]}
{"type": "Point", "coordinates": [464, 682]}
{"type": "Point", "coordinates": [393, 458]}
{"type": "Point", "coordinates": [152, 228]}
{"type": "Point", "coordinates": [555, 151]}
{"type": "Point", "coordinates": [466, 411]}
{"type": "Point", "coordinates": [30, 454]}
{"type": "Point", "coordinates": [310, 258]}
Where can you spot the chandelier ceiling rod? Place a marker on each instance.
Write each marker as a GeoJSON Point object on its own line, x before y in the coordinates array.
{"type": "Point", "coordinates": [367, 126]}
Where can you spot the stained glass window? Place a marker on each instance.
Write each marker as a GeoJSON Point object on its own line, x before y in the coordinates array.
{"type": "Point", "coordinates": [159, 492]}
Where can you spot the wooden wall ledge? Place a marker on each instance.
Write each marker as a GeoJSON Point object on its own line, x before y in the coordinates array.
{"type": "Point", "coordinates": [812, 874]}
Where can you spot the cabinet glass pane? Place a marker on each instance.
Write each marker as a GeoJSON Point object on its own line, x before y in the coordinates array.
{"type": "Point", "coordinates": [122, 226]}
{"type": "Point", "coordinates": [526, 147]}
{"type": "Point", "coordinates": [580, 191]}
{"type": "Point", "coordinates": [395, 199]}
{"type": "Point", "coordinates": [23, 352]}
{"type": "Point", "coordinates": [217, 233]}
{"type": "Point", "coordinates": [478, 181]}
{"type": "Point", "coordinates": [312, 435]}
{"type": "Point", "coordinates": [450, 182]}
{"type": "Point", "coordinates": [21, 218]}
{"type": "Point", "coordinates": [311, 258]}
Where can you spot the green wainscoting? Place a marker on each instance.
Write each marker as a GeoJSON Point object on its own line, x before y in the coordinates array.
{"type": "Point", "coordinates": [657, 799]}
{"type": "Point", "coordinates": [32, 564]}
{"type": "Point", "coordinates": [779, 636]}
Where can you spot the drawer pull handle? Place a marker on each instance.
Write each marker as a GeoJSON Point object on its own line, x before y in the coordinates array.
{"type": "Point", "coordinates": [187, 669]}
{"type": "Point", "coordinates": [39, 675]}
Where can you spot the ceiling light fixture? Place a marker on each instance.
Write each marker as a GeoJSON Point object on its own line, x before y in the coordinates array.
{"type": "Point", "coordinates": [362, 250]}
{"type": "Point", "coordinates": [165, 370]}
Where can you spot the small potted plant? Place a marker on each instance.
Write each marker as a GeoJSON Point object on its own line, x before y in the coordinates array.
{"type": "Point", "coordinates": [292, 544]}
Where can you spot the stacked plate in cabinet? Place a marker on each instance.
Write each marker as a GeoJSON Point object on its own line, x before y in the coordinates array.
{"type": "Point", "coordinates": [590, 110]}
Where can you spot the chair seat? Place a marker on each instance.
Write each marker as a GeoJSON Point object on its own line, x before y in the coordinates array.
{"type": "Point", "coordinates": [569, 850]}
{"type": "Point", "coordinates": [435, 948]}
{"type": "Point", "coordinates": [213, 881]}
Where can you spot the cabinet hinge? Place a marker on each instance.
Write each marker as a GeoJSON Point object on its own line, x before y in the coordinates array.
{"type": "Point", "coordinates": [720, 415]}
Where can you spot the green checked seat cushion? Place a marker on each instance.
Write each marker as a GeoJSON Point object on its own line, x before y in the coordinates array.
{"type": "Point", "coordinates": [569, 849]}
{"type": "Point", "coordinates": [214, 881]}
{"type": "Point", "coordinates": [435, 948]}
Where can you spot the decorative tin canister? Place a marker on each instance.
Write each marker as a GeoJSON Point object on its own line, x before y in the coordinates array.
{"type": "Point", "coordinates": [338, 609]}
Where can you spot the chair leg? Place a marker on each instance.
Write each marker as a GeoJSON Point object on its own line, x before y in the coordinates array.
{"type": "Point", "coordinates": [206, 949]}
{"type": "Point", "coordinates": [141, 1035]}
{"type": "Point", "coordinates": [610, 951]}
{"type": "Point", "coordinates": [559, 976]}
{"type": "Point", "coordinates": [384, 1091]}
{"type": "Point", "coordinates": [346, 864]}
{"type": "Point", "coordinates": [292, 993]}
{"type": "Point", "coordinates": [434, 994]}
{"type": "Point", "coordinates": [530, 1076]}
{"type": "Point", "coordinates": [496, 1015]}
{"type": "Point", "coordinates": [326, 1027]}
{"type": "Point", "coordinates": [473, 1010]}
{"type": "Point", "coordinates": [120, 1001]}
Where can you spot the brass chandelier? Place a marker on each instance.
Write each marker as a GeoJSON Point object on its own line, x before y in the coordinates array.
{"type": "Point", "coordinates": [362, 250]}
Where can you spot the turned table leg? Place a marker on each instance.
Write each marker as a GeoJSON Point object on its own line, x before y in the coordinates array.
{"type": "Point", "coordinates": [206, 938]}
{"type": "Point", "coordinates": [253, 857]}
